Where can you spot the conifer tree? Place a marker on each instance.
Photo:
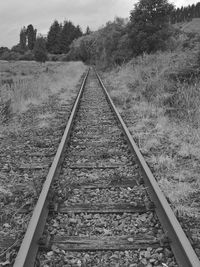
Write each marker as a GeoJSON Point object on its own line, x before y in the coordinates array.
{"type": "Point", "coordinates": [88, 31]}
{"type": "Point", "coordinates": [53, 38]}
{"type": "Point", "coordinates": [68, 34]}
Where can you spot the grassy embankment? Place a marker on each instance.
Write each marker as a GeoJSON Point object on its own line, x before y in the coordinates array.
{"type": "Point", "coordinates": [161, 105]}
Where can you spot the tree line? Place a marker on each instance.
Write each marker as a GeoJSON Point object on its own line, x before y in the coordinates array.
{"type": "Point", "coordinates": [57, 41]}
{"type": "Point", "coordinates": [147, 31]}
{"type": "Point", "coordinates": [185, 13]}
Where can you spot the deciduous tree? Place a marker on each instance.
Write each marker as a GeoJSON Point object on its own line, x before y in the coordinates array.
{"type": "Point", "coordinates": [149, 27]}
{"type": "Point", "coordinates": [40, 52]}
{"type": "Point", "coordinates": [23, 38]}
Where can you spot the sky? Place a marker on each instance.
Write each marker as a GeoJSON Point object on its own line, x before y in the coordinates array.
{"type": "Point", "coordinates": [14, 14]}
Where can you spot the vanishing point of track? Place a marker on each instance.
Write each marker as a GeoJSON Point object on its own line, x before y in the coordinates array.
{"type": "Point", "coordinates": [100, 197]}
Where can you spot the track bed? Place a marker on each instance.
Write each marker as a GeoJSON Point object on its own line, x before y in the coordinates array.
{"type": "Point", "coordinates": [100, 212]}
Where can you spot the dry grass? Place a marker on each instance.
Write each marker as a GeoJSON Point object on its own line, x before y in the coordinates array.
{"type": "Point", "coordinates": [191, 26]}
{"type": "Point", "coordinates": [31, 82]}
{"type": "Point", "coordinates": [170, 144]}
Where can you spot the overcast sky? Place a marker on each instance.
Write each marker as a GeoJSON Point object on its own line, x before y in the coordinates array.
{"type": "Point", "coordinates": [14, 14]}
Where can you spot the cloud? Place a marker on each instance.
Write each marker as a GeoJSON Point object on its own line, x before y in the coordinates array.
{"type": "Point", "coordinates": [14, 14]}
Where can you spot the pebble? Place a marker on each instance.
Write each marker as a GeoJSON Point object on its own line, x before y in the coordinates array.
{"type": "Point", "coordinates": [73, 221]}
{"type": "Point", "coordinates": [50, 253]}
{"type": "Point", "coordinates": [158, 250]}
{"type": "Point", "coordinates": [144, 261]}
{"type": "Point", "coordinates": [79, 263]}
{"type": "Point", "coordinates": [147, 255]}
{"type": "Point", "coordinates": [6, 225]}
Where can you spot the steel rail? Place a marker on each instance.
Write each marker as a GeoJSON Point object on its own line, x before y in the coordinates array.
{"type": "Point", "coordinates": [183, 251]}
{"type": "Point", "coordinates": [29, 247]}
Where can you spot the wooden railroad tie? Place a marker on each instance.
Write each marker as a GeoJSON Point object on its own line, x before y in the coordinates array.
{"type": "Point", "coordinates": [105, 184]}
{"type": "Point", "coordinates": [99, 243]}
{"type": "Point", "coordinates": [103, 208]}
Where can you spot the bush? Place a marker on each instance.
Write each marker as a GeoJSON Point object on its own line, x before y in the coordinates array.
{"type": "Point", "coordinates": [27, 56]}
{"type": "Point", "coordinates": [105, 47]}
{"type": "Point", "coordinates": [10, 55]}
{"type": "Point", "coordinates": [40, 52]}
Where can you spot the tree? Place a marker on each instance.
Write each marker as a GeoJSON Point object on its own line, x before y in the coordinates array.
{"type": "Point", "coordinates": [53, 38]}
{"type": "Point", "coordinates": [40, 52]}
{"type": "Point", "coordinates": [23, 38]}
{"type": "Point", "coordinates": [105, 47]}
{"type": "Point", "coordinates": [88, 31]}
{"type": "Point", "coordinates": [3, 50]}
{"type": "Point", "coordinates": [149, 25]}
{"type": "Point", "coordinates": [68, 34]}
{"type": "Point", "coordinates": [77, 32]}
{"type": "Point", "coordinates": [31, 36]}
{"type": "Point", "coordinates": [18, 49]}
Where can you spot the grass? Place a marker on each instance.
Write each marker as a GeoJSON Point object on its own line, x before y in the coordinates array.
{"type": "Point", "coordinates": [191, 26]}
{"type": "Point", "coordinates": [27, 83]}
{"type": "Point", "coordinates": [162, 113]}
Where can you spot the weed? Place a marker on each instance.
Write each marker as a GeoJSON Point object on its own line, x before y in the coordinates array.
{"type": "Point", "coordinates": [163, 117]}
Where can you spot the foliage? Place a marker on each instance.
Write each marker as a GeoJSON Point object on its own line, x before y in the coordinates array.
{"type": "Point", "coordinates": [18, 49]}
{"type": "Point", "coordinates": [3, 50]}
{"type": "Point", "coordinates": [68, 34]}
{"type": "Point", "coordinates": [31, 36]}
{"type": "Point", "coordinates": [60, 37]}
{"type": "Point", "coordinates": [185, 13]}
{"type": "Point", "coordinates": [149, 27]}
{"type": "Point", "coordinates": [40, 52]}
{"type": "Point", "coordinates": [10, 55]}
{"type": "Point", "coordinates": [107, 46]}
{"type": "Point", "coordinates": [53, 38]}
{"type": "Point", "coordinates": [88, 31]}
{"type": "Point", "coordinates": [28, 55]}
{"type": "Point", "coordinates": [23, 38]}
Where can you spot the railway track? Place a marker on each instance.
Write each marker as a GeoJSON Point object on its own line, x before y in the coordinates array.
{"type": "Point", "coordinates": [100, 204]}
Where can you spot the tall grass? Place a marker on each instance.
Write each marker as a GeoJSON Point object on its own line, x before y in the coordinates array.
{"type": "Point", "coordinates": [159, 97]}
{"type": "Point", "coordinates": [165, 79]}
{"type": "Point", "coordinates": [29, 82]}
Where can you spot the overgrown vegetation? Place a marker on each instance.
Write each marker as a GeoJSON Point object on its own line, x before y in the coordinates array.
{"type": "Point", "coordinates": [160, 102]}
{"type": "Point", "coordinates": [39, 50]}
{"type": "Point", "coordinates": [147, 31]}
{"type": "Point", "coordinates": [107, 46]}
{"type": "Point", "coordinates": [23, 83]}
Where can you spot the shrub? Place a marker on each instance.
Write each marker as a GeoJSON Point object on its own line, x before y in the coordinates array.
{"type": "Point", "coordinates": [10, 55]}
{"type": "Point", "coordinates": [40, 52]}
{"type": "Point", "coordinates": [27, 56]}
